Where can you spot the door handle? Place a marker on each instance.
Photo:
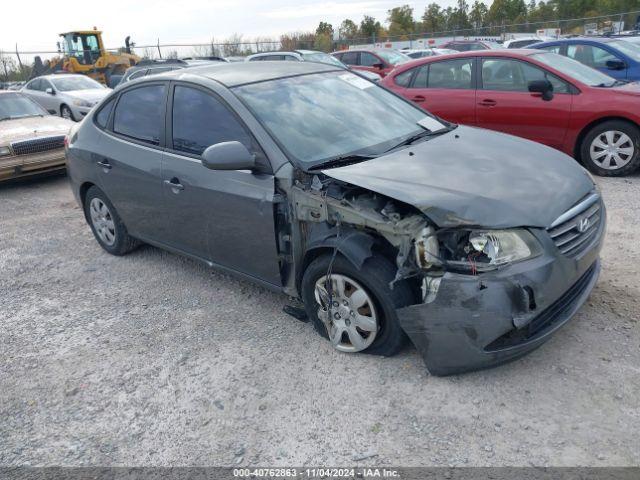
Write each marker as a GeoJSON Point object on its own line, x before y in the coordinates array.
{"type": "Point", "coordinates": [175, 185]}
{"type": "Point", "coordinates": [418, 98]}
{"type": "Point", "coordinates": [104, 163]}
{"type": "Point", "coordinates": [487, 102]}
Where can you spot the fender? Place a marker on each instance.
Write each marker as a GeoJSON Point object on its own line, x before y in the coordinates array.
{"type": "Point", "coordinates": [354, 245]}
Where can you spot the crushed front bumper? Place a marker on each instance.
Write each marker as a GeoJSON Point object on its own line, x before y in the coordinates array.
{"type": "Point", "coordinates": [475, 322]}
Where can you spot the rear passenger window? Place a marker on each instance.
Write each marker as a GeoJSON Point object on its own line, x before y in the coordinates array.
{"type": "Point", "coordinates": [455, 74]}
{"type": "Point", "coordinates": [103, 115]}
{"type": "Point", "coordinates": [140, 113]}
{"type": "Point", "coordinates": [200, 120]}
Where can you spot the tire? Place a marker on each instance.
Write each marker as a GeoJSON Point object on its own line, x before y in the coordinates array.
{"type": "Point", "coordinates": [65, 112]}
{"type": "Point", "coordinates": [374, 277]}
{"type": "Point", "coordinates": [622, 159]}
{"type": "Point", "coordinates": [117, 241]}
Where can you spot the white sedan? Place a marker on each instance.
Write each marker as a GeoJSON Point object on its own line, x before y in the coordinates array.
{"type": "Point", "coordinates": [68, 95]}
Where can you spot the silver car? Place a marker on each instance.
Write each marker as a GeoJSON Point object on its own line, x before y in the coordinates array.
{"type": "Point", "coordinates": [309, 56]}
{"type": "Point", "coordinates": [70, 96]}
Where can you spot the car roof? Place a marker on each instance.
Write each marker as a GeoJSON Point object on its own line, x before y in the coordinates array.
{"type": "Point", "coordinates": [59, 75]}
{"type": "Point", "coordinates": [234, 74]}
{"type": "Point", "coordinates": [365, 49]}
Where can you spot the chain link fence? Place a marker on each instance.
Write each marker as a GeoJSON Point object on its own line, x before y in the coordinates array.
{"type": "Point", "coordinates": [17, 64]}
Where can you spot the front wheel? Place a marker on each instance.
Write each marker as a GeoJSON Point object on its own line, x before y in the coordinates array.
{"type": "Point", "coordinates": [612, 149]}
{"type": "Point", "coordinates": [355, 308]}
{"type": "Point", "coordinates": [65, 112]}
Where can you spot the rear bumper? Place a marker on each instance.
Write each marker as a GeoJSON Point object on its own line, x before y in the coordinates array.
{"type": "Point", "coordinates": [476, 322]}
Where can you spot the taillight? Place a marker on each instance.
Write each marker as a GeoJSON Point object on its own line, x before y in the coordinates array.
{"type": "Point", "coordinates": [66, 141]}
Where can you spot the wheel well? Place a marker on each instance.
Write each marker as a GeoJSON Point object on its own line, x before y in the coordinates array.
{"type": "Point", "coordinates": [583, 133]}
{"type": "Point", "coordinates": [62, 105]}
{"type": "Point", "coordinates": [84, 188]}
{"type": "Point", "coordinates": [380, 247]}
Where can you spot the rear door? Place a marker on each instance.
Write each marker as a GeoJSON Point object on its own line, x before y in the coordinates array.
{"type": "Point", "coordinates": [224, 217]}
{"type": "Point", "coordinates": [505, 104]}
{"type": "Point", "coordinates": [128, 158]}
{"type": "Point", "coordinates": [445, 88]}
{"type": "Point", "coordinates": [34, 91]}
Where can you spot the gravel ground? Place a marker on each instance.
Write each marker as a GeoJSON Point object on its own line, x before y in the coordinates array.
{"type": "Point", "coordinates": [152, 359]}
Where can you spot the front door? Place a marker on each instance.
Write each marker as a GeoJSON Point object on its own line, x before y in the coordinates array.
{"type": "Point", "coordinates": [224, 217]}
{"type": "Point", "coordinates": [128, 158]}
{"type": "Point", "coordinates": [504, 103]}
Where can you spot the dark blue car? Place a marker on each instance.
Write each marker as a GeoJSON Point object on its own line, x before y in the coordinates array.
{"type": "Point", "coordinates": [616, 57]}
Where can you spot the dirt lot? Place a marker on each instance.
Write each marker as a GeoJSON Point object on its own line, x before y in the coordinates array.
{"type": "Point", "coordinates": [153, 359]}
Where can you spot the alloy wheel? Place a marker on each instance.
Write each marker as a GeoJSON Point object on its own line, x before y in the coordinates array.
{"type": "Point", "coordinates": [102, 221]}
{"type": "Point", "coordinates": [612, 150]}
{"type": "Point", "coordinates": [66, 113]}
{"type": "Point", "coordinates": [347, 311]}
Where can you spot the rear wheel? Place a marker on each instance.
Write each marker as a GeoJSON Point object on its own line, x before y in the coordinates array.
{"type": "Point", "coordinates": [612, 148]}
{"type": "Point", "coordinates": [355, 308]}
{"type": "Point", "coordinates": [106, 224]}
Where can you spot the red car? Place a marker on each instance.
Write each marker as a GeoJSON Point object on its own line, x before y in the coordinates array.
{"type": "Point", "coordinates": [533, 94]}
{"type": "Point", "coordinates": [380, 61]}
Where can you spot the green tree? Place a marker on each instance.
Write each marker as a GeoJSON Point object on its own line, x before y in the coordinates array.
{"type": "Point", "coordinates": [370, 28]}
{"type": "Point", "coordinates": [433, 19]}
{"type": "Point", "coordinates": [325, 28]}
{"type": "Point", "coordinates": [401, 21]}
{"type": "Point", "coordinates": [478, 15]}
{"type": "Point", "coordinates": [348, 30]}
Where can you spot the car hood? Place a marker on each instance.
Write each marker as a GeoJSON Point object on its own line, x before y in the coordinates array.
{"type": "Point", "coordinates": [32, 127]}
{"type": "Point", "coordinates": [92, 95]}
{"type": "Point", "coordinates": [472, 176]}
{"type": "Point", "coordinates": [632, 88]}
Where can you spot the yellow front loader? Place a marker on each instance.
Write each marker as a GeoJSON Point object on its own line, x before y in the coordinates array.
{"type": "Point", "coordinates": [84, 52]}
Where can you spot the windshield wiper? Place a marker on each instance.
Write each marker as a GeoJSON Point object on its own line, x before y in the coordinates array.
{"type": "Point", "coordinates": [419, 135]}
{"type": "Point", "coordinates": [614, 84]}
{"type": "Point", "coordinates": [341, 160]}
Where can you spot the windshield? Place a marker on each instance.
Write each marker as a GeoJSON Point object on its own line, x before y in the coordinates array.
{"type": "Point", "coordinates": [320, 117]}
{"type": "Point", "coordinates": [631, 50]}
{"type": "Point", "coordinates": [69, 84]}
{"type": "Point", "coordinates": [16, 105]}
{"type": "Point", "coordinates": [393, 57]}
{"type": "Point", "coordinates": [574, 69]}
{"type": "Point", "coordinates": [322, 58]}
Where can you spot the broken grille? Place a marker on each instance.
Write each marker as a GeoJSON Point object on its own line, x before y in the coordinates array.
{"type": "Point", "coordinates": [573, 231]}
{"type": "Point", "coordinates": [38, 145]}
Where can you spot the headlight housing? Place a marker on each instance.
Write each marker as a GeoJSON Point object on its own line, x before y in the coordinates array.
{"type": "Point", "coordinates": [82, 103]}
{"type": "Point", "coordinates": [473, 251]}
{"type": "Point", "coordinates": [4, 151]}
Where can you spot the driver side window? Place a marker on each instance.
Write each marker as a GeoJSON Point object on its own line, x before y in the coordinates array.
{"type": "Point", "coordinates": [593, 56]}
{"type": "Point", "coordinates": [368, 60]}
{"type": "Point", "coordinates": [200, 120]}
{"type": "Point", "coordinates": [514, 76]}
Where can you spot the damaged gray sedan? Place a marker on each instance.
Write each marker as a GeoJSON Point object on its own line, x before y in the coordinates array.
{"type": "Point", "coordinates": [389, 224]}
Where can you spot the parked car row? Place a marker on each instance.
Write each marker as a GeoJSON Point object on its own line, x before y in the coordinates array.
{"type": "Point", "coordinates": [386, 221]}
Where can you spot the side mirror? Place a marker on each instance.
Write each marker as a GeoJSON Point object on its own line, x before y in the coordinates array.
{"type": "Point", "coordinates": [50, 91]}
{"type": "Point", "coordinates": [228, 156]}
{"type": "Point", "coordinates": [616, 64]}
{"type": "Point", "coordinates": [378, 65]}
{"type": "Point", "coordinates": [543, 87]}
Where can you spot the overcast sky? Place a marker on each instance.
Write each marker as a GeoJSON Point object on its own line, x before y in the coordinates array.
{"type": "Point", "coordinates": [35, 24]}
